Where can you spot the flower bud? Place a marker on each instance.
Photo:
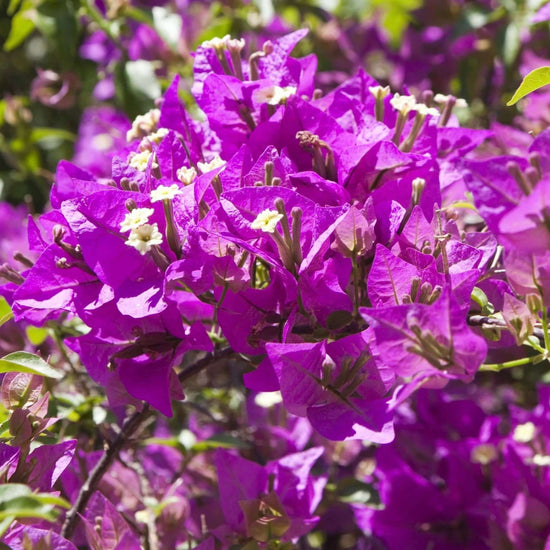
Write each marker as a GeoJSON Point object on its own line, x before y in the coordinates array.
{"type": "Point", "coordinates": [55, 90]}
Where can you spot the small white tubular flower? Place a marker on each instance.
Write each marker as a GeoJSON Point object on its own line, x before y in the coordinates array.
{"type": "Point", "coordinates": [484, 453]}
{"type": "Point", "coordinates": [186, 175]}
{"type": "Point", "coordinates": [158, 136]}
{"type": "Point", "coordinates": [216, 43]}
{"type": "Point", "coordinates": [144, 237]}
{"type": "Point", "coordinates": [524, 433]}
{"type": "Point", "coordinates": [274, 95]}
{"type": "Point", "coordinates": [541, 460]}
{"type": "Point", "coordinates": [266, 400]}
{"type": "Point", "coordinates": [102, 142]}
{"type": "Point", "coordinates": [267, 220]}
{"type": "Point", "coordinates": [403, 103]}
{"type": "Point", "coordinates": [459, 102]}
{"type": "Point", "coordinates": [165, 192]}
{"type": "Point", "coordinates": [136, 218]}
{"type": "Point", "coordinates": [144, 125]}
{"type": "Point", "coordinates": [216, 162]}
{"type": "Point", "coordinates": [425, 110]}
{"type": "Point", "coordinates": [234, 43]}
{"type": "Point", "coordinates": [140, 160]}
{"type": "Point", "coordinates": [379, 92]}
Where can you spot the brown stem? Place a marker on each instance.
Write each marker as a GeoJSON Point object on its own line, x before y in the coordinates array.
{"type": "Point", "coordinates": [128, 429]}
{"type": "Point", "coordinates": [132, 424]}
{"type": "Point", "coordinates": [201, 364]}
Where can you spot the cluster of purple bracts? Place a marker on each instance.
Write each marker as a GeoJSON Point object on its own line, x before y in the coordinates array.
{"type": "Point", "coordinates": [351, 248]}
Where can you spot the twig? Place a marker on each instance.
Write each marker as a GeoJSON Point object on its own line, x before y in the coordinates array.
{"type": "Point", "coordinates": [129, 428]}
{"type": "Point", "coordinates": [131, 425]}
{"type": "Point", "coordinates": [491, 322]}
{"type": "Point", "coordinates": [151, 536]}
{"type": "Point", "coordinates": [204, 362]}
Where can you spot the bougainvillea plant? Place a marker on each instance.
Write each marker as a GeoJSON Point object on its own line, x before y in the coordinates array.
{"type": "Point", "coordinates": [282, 316]}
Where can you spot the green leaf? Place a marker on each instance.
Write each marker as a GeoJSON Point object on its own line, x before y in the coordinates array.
{"type": "Point", "coordinates": [9, 491]}
{"type": "Point", "coordinates": [533, 81]}
{"type": "Point", "coordinates": [54, 500]}
{"type": "Point", "coordinates": [28, 507]}
{"type": "Point", "coordinates": [480, 298]}
{"type": "Point", "coordinates": [5, 312]}
{"type": "Point", "coordinates": [18, 501]}
{"type": "Point", "coordinates": [44, 134]}
{"type": "Point", "coordinates": [21, 26]}
{"type": "Point", "coordinates": [13, 5]}
{"type": "Point", "coordinates": [224, 441]}
{"type": "Point", "coordinates": [36, 335]}
{"type": "Point", "coordinates": [352, 490]}
{"type": "Point", "coordinates": [21, 361]}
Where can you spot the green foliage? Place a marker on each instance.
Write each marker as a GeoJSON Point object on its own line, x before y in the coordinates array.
{"type": "Point", "coordinates": [22, 24]}
{"type": "Point", "coordinates": [5, 312]}
{"type": "Point", "coordinates": [480, 298]}
{"type": "Point", "coordinates": [533, 81]}
{"type": "Point", "coordinates": [220, 441]}
{"type": "Point", "coordinates": [352, 490]}
{"type": "Point", "coordinates": [21, 361]}
{"type": "Point", "coordinates": [17, 501]}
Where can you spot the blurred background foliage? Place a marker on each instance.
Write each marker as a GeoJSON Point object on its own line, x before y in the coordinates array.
{"type": "Point", "coordinates": [59, 57]}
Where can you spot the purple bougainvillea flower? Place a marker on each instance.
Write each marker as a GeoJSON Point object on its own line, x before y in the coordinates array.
{"type": "Point", "coordinates": [55, 90]}
{"type": "Point", "coordinates": [20, 537]}
{"type": "Point", "coordinates": [337, 386]}
{"type": "Point", "coordinates": [101, 132]}
{"type": "Point", "coordinates": [526, 227]}
{"type": "Point", "coordinates": [493, 200]}
{"type": "Point", "coordinates": [278, 499]}
{"type": "Point", "coordinates": [424, 343]}
{"type": "Point", "coordinates": [105, 527]}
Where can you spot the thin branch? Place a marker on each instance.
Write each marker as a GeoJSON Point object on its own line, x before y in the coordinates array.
{"type": "Point", "coordinates": [201, 364]}
{"type": "Point", "coordinates": [128, 429]}
{"type": "Point", "coordinates": [491, 322]}
{"type": "Point", "coordinates": [132, 424]}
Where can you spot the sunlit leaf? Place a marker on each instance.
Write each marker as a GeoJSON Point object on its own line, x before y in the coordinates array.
{"type": "Point", "coordinates": [223, 441]}
{"type": "Point", "coordinates": [21, 361]}
{"type": "Point", "coordinates": [5, 312]}
{"type": "Point", "coordinates": [21, 26]}
{"type": "Point", "coordinates": [36, 335]}
{"type": "Point", "coordinates": [533, 81]}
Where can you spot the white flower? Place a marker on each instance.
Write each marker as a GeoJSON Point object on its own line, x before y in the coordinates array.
{"type": "Point", "coordinates": [163, 192]}
{"type": "Point", "coordinates": [403, 103]}
{"type": "Point", "coordinates": [216, 162]}
{"type": "Point", "coordinates": [266, 400]}
{"type": "Point", "coordinates": [144, 237]}
{"type": "Point", "coordinates": [484, 453]}
{"type": "Point", "coordinates": [186, 175]}
{"type": "Point", "coordinates": [102, 142]}
{"type": "Point", "coordinates": [274, 95]}
{"type": "Point", "coordinates": [525, 432]}
{"type": "Point", "coordinates": [140, 160]}
{"type": "Point", "coordinates": [143, 125]}
{"type": "Point", "coordinates": [267, 221]}
{"type": "Point", "coordinates": [379, 91]}
{"type": "Point", "coordinates": [234, 43]}
{"type": "Point", "coordinates": [216, 43]}
{"type": "Point", "coordinates": [459, 102]}
{"type": "Point", "coordinates": [158, 136]}
{"type": "Point", "coordinates": [425, 110]}
{"type": "Point", "coordinates": [135, 218]}
{"type": "Point", "coordinates": [541, 460]}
